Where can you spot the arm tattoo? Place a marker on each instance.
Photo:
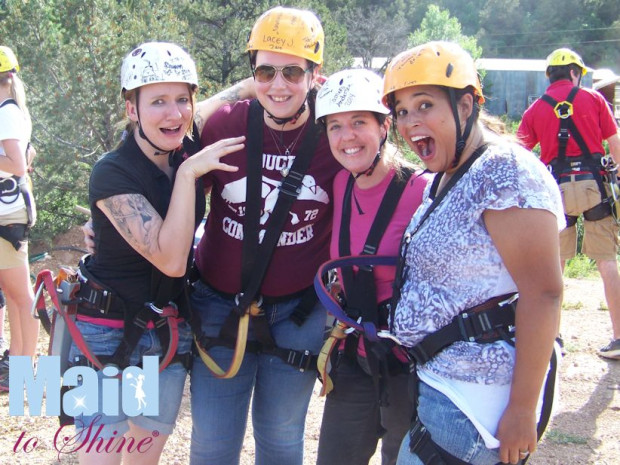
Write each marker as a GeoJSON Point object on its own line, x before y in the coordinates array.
{"type": "Point", "coordinates": [231, 95]}
{"type": "Point", "coordinates": [135, 219]}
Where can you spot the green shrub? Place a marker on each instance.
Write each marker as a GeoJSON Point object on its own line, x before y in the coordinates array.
{"type": "Point", "coordinates": [580, 266]}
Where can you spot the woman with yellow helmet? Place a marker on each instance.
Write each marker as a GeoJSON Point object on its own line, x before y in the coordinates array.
{"type": "Point", "coordinates": [486, 233]}
{"type": "Point", "coordinates": [274, 368]}
{"type": "Point", "coordinates": [17, 213]}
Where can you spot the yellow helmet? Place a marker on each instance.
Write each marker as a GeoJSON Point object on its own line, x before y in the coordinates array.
{"type": "Point", "coordinates": [434, 63]}
{"type": "Point", "coordinates": [565, 57]}
{"type": "Point", "coordinates": [8, 60]}
{"type": "Point", "coordinates": [288, 30]}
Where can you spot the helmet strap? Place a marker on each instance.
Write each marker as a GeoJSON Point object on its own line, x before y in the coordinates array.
{"type": "Point", "coordinates": [461, 137]}
{"type": "Point", "coordinates": [372, 167]}
{"type": "Point", "coordinates": [159, 150]}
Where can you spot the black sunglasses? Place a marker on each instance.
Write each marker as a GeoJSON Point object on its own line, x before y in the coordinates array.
{"type": "Point", "coordinates": [291, 73]}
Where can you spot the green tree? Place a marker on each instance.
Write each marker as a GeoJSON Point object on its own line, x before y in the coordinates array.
{"type": "Point", "coordinates": [70, 53]}
{"type": "Point", "coordinates": [439, 25]}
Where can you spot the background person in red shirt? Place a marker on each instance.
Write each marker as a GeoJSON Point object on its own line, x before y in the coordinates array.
{"type": "Point", "coordinates": [570, 123]}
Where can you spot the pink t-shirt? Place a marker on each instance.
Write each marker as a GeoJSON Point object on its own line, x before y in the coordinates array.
{"type": "Point", "coordinates": [369, 201]}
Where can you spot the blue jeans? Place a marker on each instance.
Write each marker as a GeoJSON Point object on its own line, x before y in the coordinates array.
{"type": "Point", "coordinates": [103, 340]}
{"type": "Point", "coordinates": [280, 393]}
{"type": "Point", "coordinates": [450, 429]}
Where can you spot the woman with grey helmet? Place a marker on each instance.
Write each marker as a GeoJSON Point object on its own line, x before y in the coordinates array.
{"type": "Point", "coordinates": [146, 202]}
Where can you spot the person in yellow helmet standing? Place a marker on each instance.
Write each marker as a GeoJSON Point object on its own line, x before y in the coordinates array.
{"type": "Point", "coordinates": [570, 123]}
{"type": "Point", "coordinates": [267, 233]}
{"type": "Point", "coordinates": [17, 212]}
{"type": "Point", "coordinates": [478, 295]}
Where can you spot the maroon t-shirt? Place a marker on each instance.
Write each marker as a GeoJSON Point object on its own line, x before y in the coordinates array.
{"type": "Point", "coordinates": [304, 242]}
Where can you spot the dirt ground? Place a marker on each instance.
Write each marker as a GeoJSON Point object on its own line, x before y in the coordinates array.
{"type": "Point", "coordinates": [585, 428]}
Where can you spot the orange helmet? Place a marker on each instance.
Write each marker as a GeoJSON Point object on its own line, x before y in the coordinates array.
{"type": "Point", "coordinates": [434, 63]}
{"type": "Point", "coordinates": [288, 30]}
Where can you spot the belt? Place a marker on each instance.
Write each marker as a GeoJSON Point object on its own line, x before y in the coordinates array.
{"type": "Point", "coordinates": [267, 300]}
{"type": "Point", "coordinates": [576, 177]}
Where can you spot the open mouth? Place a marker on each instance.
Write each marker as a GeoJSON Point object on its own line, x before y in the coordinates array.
{"type": "Point", "coordinates": [423, 146]}
{"type": "Point", "coordinates": [171, 131]}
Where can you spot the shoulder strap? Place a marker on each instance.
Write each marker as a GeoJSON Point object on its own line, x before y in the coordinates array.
{"type": "Point", "coordinates": [563, 111]}
{"type": "Point", "coordinates": [257, 255]}
{"type": "Point", "coordinates": [406, 239]}
{"type": "Point", "coordinates": [360, 289]}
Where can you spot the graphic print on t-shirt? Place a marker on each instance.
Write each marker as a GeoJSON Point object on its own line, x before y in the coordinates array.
{"type": "Point", "coordinates": [235, 193]}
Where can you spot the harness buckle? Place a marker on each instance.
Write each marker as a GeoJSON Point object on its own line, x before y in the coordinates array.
{"type": "Point", "coordinates": [563, 135]}
{"type": "Point", "coordinates": [291, 184]}
{"type": "Point", "coordinates": [304, 362]}
{"type": "Point", "coordinates": [417, 436]}
{"type": "Point", "coordinates": [162, 311]}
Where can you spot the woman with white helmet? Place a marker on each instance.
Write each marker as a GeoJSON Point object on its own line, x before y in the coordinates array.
{"type": "Point", "coordinates": [17, 213]}
{"type": "Point", "coordinates": [369, 399]}
{"type": "Point", "coordinates": [146, 201]}
{"type": "Point", "coordinates": [479, 279]}
{"type": "Point", "coordinates": [285, 176]}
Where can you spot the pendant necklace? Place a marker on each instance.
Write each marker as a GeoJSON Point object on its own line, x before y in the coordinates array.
{"type": "Point", "coordinates": [287, 149]}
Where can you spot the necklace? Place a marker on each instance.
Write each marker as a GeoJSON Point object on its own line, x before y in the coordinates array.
{"type": "Point", "coordinates": [291, 146]}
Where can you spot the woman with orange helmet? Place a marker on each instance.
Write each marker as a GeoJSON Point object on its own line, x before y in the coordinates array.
{"type": "Point", "coordinates": [269, 364]}
{"type": "Point", "coordinates": [466, 256]}
{"type": "Point", "coordinates": [17, 213]}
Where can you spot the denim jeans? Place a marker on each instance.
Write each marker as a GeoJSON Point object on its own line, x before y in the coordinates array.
{"type": "Point", "coordinates": [280, 393]}
{"type": "Point", "coordinates": [104, 340]}
{"type": "Point", "coordinates": [450, 429]}
{"type": "Point", "coordinates": [353, 421]}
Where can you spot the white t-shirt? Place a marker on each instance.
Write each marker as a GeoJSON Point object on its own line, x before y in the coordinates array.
{"type": "Point", "coordinates": [13, 125]}
{"type": "Point", "coordinates": [452, 265]}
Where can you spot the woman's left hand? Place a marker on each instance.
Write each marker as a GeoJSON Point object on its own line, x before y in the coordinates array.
{"type": "Point", "coordinates": [517, 434]}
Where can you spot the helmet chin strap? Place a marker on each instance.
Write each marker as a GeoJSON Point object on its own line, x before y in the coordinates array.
{"type": "Point", "coordinates": [291, 119]}
{"type": "Point", "coordinates": [375, 161]}
{"type": "Point", "coordinates": [461, 138]}
{"type": "Point", "coordinates": [159, 150]}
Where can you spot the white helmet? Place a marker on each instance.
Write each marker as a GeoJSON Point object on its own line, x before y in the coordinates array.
{"type": "Point", "coordinates": [154, 62]}
{"type": "Point", "coordinates": [351, 90]}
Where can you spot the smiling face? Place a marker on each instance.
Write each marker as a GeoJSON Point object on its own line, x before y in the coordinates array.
{"type": "Point", "coordinates": [280, 97]}
{"type": "Point", "coordinates": [165, 112]}
{"type": "Point", "coordinates": [354, 138]}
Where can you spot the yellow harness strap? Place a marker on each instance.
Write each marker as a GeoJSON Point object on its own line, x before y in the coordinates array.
{"type": "Point", "coordinates": [240, 344]}
{"type": "Point", "coordinates": [324, 365]}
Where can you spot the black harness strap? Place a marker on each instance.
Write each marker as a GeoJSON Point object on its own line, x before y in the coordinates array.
{"type": "Point", "coordinates": [256, 255]}
{"type": "Point", "coordinates": [359, 288]}
{"type": "Point", "coordinates": [489, 322]}
{"type": "Point", "coordinates": [586, 162]}
{"type": "Point", "coordinates": [12, 187]}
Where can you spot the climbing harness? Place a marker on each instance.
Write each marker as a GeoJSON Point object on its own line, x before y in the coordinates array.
{"type": "Point", "coordinates": [488, 322]}
{"type": "Point", "coordinates": [377, 356]}
{"type": "Point", "coordinates": [77, 292]}
{"type": "Point", "coordinates": [11, 188]}
{"type": "Point", "coordinates": [256, 257]}
{"type": "Point", "coordinates": [586, 166]}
